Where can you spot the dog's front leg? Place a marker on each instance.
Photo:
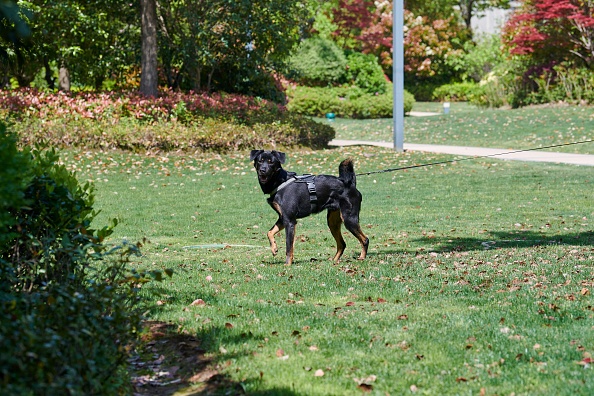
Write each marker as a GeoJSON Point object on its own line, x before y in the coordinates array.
{"type": "Point", "coordinates": [273, 231]}
{"type": "Point", "coordinates": [290, 236]}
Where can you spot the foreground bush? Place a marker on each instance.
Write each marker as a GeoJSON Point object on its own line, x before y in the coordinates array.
{"type": "Point", "coordinates": [174, 121]}
{"type": "Point", "coordinates": [351, 102]}
{"type": "Point", "coordinates": [67, 319]}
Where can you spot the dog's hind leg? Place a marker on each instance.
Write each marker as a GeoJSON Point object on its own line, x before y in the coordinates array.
{"type": "Point", "coordinates": [350, 216]}
{"type": "Point", "coordinates": [273, 231]}
{"type": "Point", "coordinates": [355, 229]}
{"type": "Point", "coordinates": [334, 223]}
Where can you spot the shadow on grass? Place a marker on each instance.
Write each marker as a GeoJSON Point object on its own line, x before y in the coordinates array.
{"type": "Point", "coordinates": [168, 362]}
{"type": "Point", "coordinates": [507, 239]}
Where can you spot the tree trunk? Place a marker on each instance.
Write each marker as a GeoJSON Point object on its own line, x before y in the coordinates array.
{"type": "Point", "coordinates": [148, 62]}
{"type": "Point", "coordinates": [64, 79]}
{"type": "Point", "coordinates": [51, 81]}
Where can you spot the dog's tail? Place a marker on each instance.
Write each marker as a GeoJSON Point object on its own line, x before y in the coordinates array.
{"type": "Point", "coordinates": [346, 173]}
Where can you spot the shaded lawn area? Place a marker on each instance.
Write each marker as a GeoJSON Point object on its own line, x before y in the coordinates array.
{"type": "Point", "coordinates": [479, 277]}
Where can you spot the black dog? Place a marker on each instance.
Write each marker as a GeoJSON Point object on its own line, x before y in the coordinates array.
{"type": "Point", "coordinates": [294, 197]}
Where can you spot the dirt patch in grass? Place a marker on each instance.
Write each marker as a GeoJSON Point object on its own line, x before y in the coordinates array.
{"type": "Point", "coordinates": [170, 363]}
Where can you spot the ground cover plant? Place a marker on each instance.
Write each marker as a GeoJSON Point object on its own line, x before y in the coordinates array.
{"type": "Point", "coordinates": [466, 125]}
{"type": "Point", "coordinates": [208, 122]}
{"type": "Point", "coordinates": [478, 278]}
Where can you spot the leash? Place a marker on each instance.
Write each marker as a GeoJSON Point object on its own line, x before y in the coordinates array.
{"type": "Point", "coordinates": [471, 158]}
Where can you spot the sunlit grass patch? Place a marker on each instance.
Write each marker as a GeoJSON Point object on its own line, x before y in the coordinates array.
{"type": "Point", "coordinates": [479, 273]}
{"type": "Point", "coordinates": [527, 127]}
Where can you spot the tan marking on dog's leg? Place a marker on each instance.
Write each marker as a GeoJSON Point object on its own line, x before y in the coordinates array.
{"type": "Point", "coordinates": [273, 231]}
{"type": "Point", "coordinates": [364, 246]}
{"type": "Point", "coordinates": [334, 220]}
{"type": "Point", "coordinates": [278, 227]}
{"type": "Point", "coordinates": [355, 229]}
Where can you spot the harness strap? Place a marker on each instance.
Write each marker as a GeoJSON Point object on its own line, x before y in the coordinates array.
{"type": "Point", "coordinates": [313, 198]}
{"type": "Point", "coordinates": [283, 185]}
{"type": "Point", "coordinates": [311, 187]}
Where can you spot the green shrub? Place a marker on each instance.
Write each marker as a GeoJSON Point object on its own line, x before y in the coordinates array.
{"type": "Point", "coordinates": [317, 62]}
{"type": "Point", "coordinates": [478, 59]}
{"type": "Point", "coordinates": [14, 174]}
{"type": "Point", "coordinates": [504, 86]}
{"type": "Point", "coordinates": [365, 72]}
{"type": "Point", "coordinates": [564, 83]}
{"type": "Point", "coordinates": [349, 102]}
{"type": "Point", "coordinates": [422, 88]}
{"type": "Point", "coordinates": [67, 319]}
{"type": "Point", "coordinates": [457, 92]}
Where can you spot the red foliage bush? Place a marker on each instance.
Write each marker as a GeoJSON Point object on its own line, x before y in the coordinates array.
{"type": "Point", "coordinates": [112, 106]}
{"type": "Point", "coordinates": [552, 30]}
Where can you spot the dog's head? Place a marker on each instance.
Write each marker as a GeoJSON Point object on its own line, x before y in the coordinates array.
{"type": "Point", "coordinates": [267, 163]}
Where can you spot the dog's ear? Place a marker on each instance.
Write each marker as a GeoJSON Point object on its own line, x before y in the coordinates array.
{"type": "Point", "coordinates": [280, 156]}
{"type": "Point", "coordinates": [255, 153]}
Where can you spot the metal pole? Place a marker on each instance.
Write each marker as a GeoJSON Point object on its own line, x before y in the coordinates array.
{"type": "Point", "coordinates": [398, 73]}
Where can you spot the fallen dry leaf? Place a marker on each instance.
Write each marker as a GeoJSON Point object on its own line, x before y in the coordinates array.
{"type": "Point", "coordinates": [203, 376]}
{"type": "Point", "coordinates": [366, 381]}
{"type": "Point", "coordinates": [198, 302]}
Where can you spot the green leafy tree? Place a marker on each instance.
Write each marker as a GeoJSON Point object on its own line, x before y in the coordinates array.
{"type": "Point", "coordinates": [225, 44]}
{"type": "Point", "coordinates": [464, 9]}
{"type": "Point", "coordinates": [14, 43]}
{"type": "Point", "coordinates": [471, 8]}
{"type": "Point", "coordinates": [91, 38]}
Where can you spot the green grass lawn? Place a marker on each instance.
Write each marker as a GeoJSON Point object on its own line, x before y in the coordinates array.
{"type": "Point", "coordinates": [479, 277]}
{"type": "Point", "coordinates": [468, 126]}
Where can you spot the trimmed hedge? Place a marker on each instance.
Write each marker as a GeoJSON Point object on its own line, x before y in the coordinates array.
{"type": "Point", "coordinates": [350, 102]}
{"type": "Point", "coordinates": [204, 135]}
{"type": "Point", "coordinates": [457, 92]}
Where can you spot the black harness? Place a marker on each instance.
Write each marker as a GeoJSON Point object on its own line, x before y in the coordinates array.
{"type": "Point", "coordinates": [311, 187]}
